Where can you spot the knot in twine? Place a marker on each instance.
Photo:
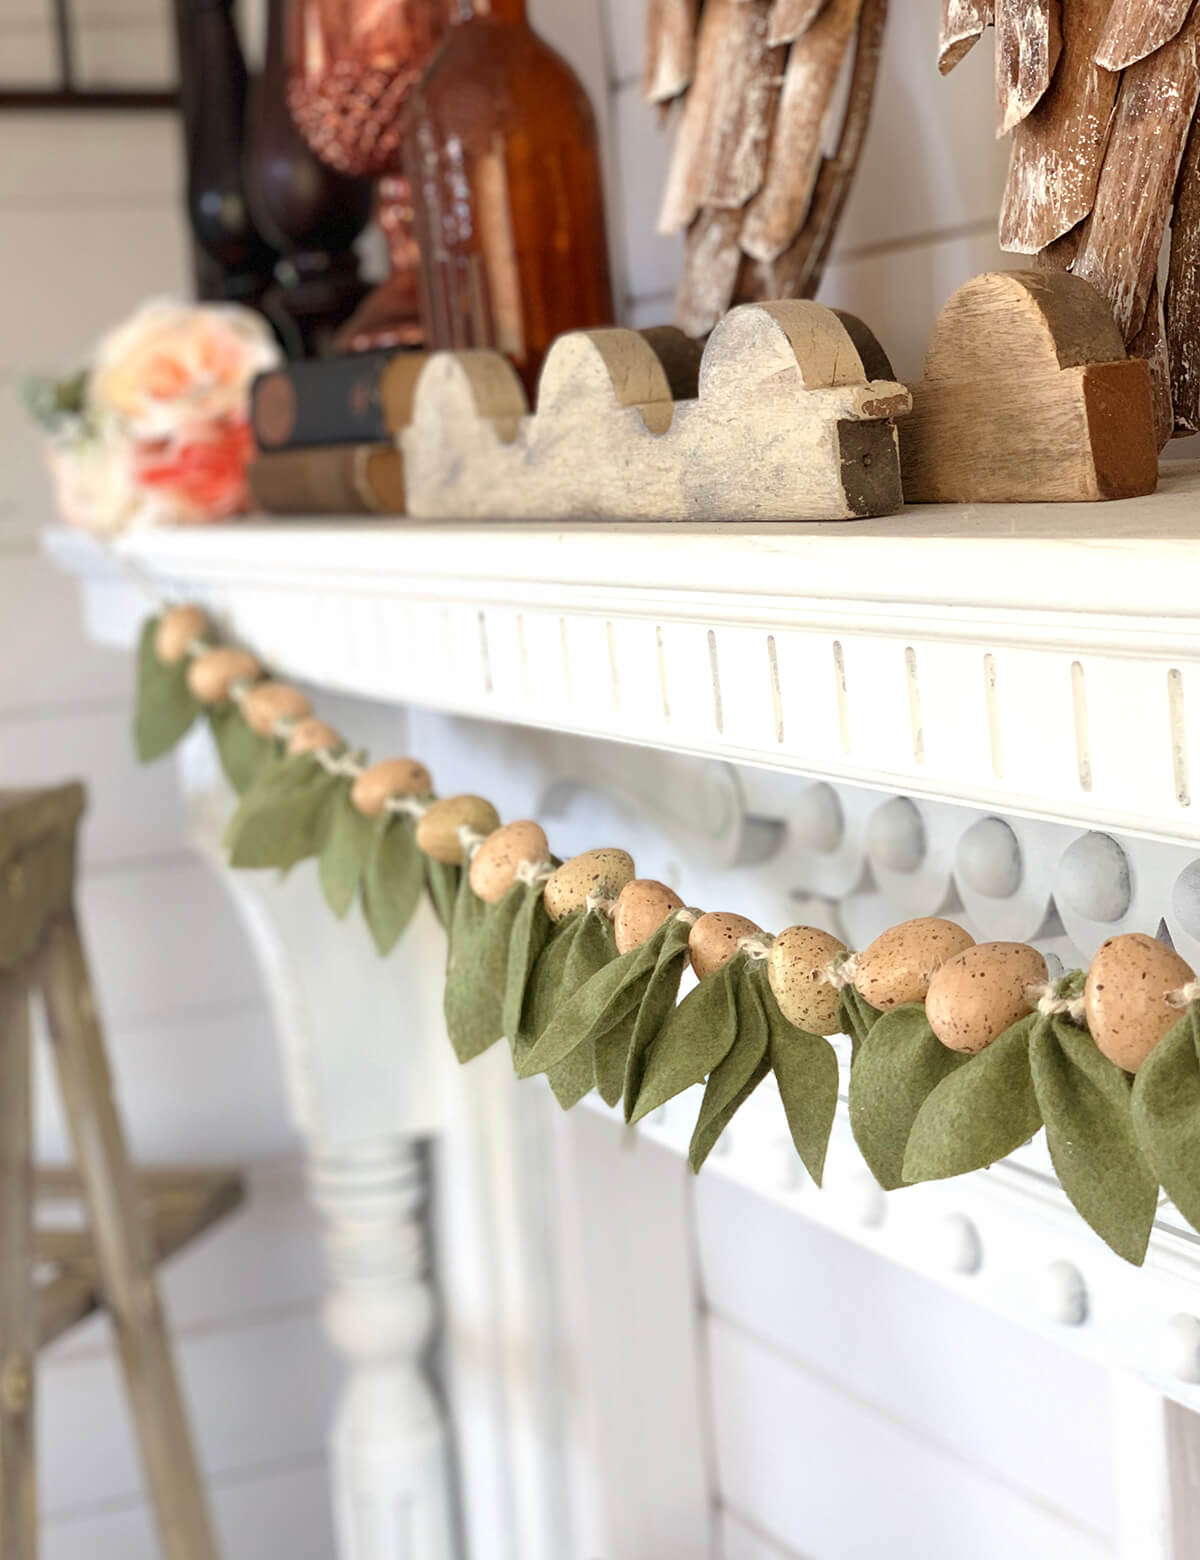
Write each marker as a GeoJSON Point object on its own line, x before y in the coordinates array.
{"type": "Point", "coordinates": [341, 765]}
{"type": "Point", "coordinates": [199, 647]}
{"type": "Point", "coordinates": [1185, 996]}
{"type": "Point", "coordinates": [688, 917]}
{"type": "Point", "coordinates": [757, 946]}
{"type": "Point", "coordinates": [1059, 999]}
{"type": "Point", "coordinates": [239, 689]}
{"type": "Point", "coordinates": [602, 903]}
{"type": "Point", "coordinates": [535, 873]}
{"type": "Point", "coordinates": [470, 839]}
{"type": "Point", "coordinates": [841, 972]}
{"type": "Point", "coordinates": [408, 806]}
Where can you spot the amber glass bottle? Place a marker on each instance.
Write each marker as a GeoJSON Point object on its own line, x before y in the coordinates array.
{"type": "Point", "coordinates": [501, 152]}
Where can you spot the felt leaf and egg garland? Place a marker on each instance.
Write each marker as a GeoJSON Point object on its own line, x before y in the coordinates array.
{"type": "Point", "coordinates": [165, 707]}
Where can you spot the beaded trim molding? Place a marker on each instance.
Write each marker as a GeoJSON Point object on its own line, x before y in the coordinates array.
{"type": "Point", "coordinates": [961, 1052]}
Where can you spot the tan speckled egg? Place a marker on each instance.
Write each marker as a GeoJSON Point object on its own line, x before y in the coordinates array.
{"type": "Point", "coordinates": [1125, 996]}
{"type": "Point", "coordinates": [603, 873]}
{"type": "Point", "coordinates": [390, 777]}
{"type": "Point", "coordinates": [494, 865]}
{"type": "Point", "coordinates": [980, 993]}
{"type": "Point", "coordinates": [901, 962]}
{"type": "Point", "coordinates": [313, 736]}
{"type": "Point", "coordinates": [797, 970]}
{"type": "Point", "coordinates": [213, 674]}
{"type": "Point", "coordinates": [176, 630]}
{"type": "Point", "coordinates": [437, 831]}
{"type": "Point", "coordinates": [714, 939]}
{"type": "Point", "coordinates": [268, 703]}
{"type": "Point", "coordinates": [642, 907]}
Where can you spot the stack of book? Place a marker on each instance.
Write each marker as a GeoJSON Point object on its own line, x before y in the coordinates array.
{"type": "Point", "coordinates": [327, 432]}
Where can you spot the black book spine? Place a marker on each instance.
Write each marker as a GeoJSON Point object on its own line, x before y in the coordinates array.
{"type": "Point", "coordinates": [336, 400]}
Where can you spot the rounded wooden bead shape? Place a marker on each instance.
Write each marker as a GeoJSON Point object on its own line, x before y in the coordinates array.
{"type": "Point", "coordinates": [642, 907]}
{"type": "Point", "coordinates": [603, 873]}
{"type": "Point", "coordinates": [177, 629]}
{"type": "Point", "coordinates": [714, 939]}
{"type": "Point", "coordinates": [312, 736]}
{"type": "Point", "coordinates": [437, 830]}
{"type": "Point", "coordinates": [494, 865]}
{"type": "Point", "coordinates": [900, 963]}
{"type": "Point", "coordinates": [1125, 996]}
{"type": "Point", "coordinates": [797, 970]}
{"type": "Point", "coordinates": [981, 992]}
{"type": "Point", "coordinates": [213, 674]}
{"type": "Point", "coordinates": [390, 777]}
{"type": "Point", "coordinates": [268, 703]}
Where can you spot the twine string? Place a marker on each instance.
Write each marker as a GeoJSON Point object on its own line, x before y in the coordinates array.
{"type": "Point", "coordinates": [758, 946]}
{"type": "Point", "coordinates": [1185, 996]}
{"type": "Point", "coordinates": [841, 972]}
{"type": "Point", "coordinates": [601, 903]}
{"type": "Point", "coordinates": [535, 873]}
{"type": "Point", "coordinates": [1047, 999]}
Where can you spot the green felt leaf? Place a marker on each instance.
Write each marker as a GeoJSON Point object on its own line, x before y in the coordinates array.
{"type": "Point", "coordinates": [165, 708]}
{"type": "Point", "coordinates": [392, 880]}
{"type": "Point", "coordinates": [657, 1005]}
{"type": "Point", "coordinates": [442, 881]}
{"type": "Point", "coordinates": [1086, 1103]}
{"type": "Point", "coordinates": [243, 753]}
{"type": "Point", "coordinates": [574, 1077]}
{"type": "Point", "coordinates": [734, 1079]}
{"type": "Point", "coordinates": [857, 1017]}
{"type": "Point", "coordinates": [344, 853]}
{"type": "Point", "coordinates": [477, 968]}
{"type": "Point", "coordinates": [530, 933]}
{"type": "Point", "coordinates": [695, 1038]}
{"type": "Point", "coordinates": [277, 780]}
{"type": "Point", "coordinates": [1166, 1113]}
{"type": "Point", "coordinates": [285, 825]}
{"type": "Point", "coordinates": [806, 1070]}
{"type": "Point", "coordinates": [589, 947]}
{"type": "Point", "coordinates": [978, 1113]}
{"type": "Point", "coordinates": [898, 1066]}
{"type": "Point", "coordinates": [610, 1052]}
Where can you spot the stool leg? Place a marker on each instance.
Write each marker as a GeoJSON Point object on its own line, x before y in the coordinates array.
{"type": "Point", "coordinates": [18, 1319]}
{"type": "Point", "coordinates": [123, 1249]}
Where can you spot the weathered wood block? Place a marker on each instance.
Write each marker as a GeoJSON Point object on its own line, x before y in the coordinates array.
{"type": "Point", "coordinates": [1028, 395]}
{"type": "Point", "coordinates": [778, 420]}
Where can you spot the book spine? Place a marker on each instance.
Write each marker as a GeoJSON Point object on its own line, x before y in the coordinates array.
{"type": "Point", "coordinates": [323, 401]}
{"type": "Point", "coordinates": [355, 479]}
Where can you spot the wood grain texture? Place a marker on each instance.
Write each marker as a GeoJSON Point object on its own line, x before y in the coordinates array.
{"type": "Point", "coordinates": [1028, 45]}
{"type": "Point", "coordinates": [720, 152]}
{"type": "Point", "coordinates": [711, 264]}
{"type": "Point", "coordinates": [1058, 149]}
{"type": "Point", "coordinates": [1150, 344]}
{"type": "Point", "coordinates": [963, 23]}
{"type": "Point", "coordinates": [670, 48]}
{"type": "Point", "coordinates": [1135, 28]}
{"type": "Point", "coordinates": [786, 426]}
{"type": "Point", "coordinates": [790, 19]}
{"type": "Point", "coordinates": [814, 66]}
{"type": "Point", "coordinates": [1121, 244]}
{"type": "Point", "coordinates": [1028, 396]}
{"type": "Point", "coordinates": [1182, 303]}
{"type": "Point", "coordinates": [18, 1323]}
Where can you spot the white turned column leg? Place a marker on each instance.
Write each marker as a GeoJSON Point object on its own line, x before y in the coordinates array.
{"type": "Point", "coordinates": [389, 1454]}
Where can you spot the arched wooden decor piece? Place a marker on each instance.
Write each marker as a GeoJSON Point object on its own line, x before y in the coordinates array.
{"type": "Point", "coordinates": [786, 425]}
{"type": "Point", "coordinates": [1028, 395]}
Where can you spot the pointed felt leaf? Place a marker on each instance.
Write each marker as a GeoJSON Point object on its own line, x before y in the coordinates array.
{"type": "Point", "coordinates": [442, 882]}
{"type": "Point", "coordinates": [344, 853]}
{"type": "Point", "coordinates": [858, 1018]}
{"type": "Point", "coordinates": [806, 1070]}
{"type": "Point", "coordinates": [478, 966]}
{"type": "Point", "coordinates": [897, 1068]}
{"type": "Point", "coordinates": [610, 1052]}
{"type": "Point", "coordinates": [392, 880]}
{"type": "Point", "coordinates": [283, 826]}
{"type": "Point", "coordinates": [657, 1005]}
{"type": "Point", "coordinates": [542, 987]}
{"type": "Point", "coordinates": [165, 708]}
{"type": "Point", "coordinates": [695, 1038]}
{"type": "Point", "coordinates": [243, 753]}
{"type": "Point", "coordinates": [530, 933]}
{"type": "Point", "coordinates": [1166, 1113]}
{"type": "Point", "coordinates": [590, 947]}
{"type": "Point", "coordinates": [1086, 1103]}
{"type": "Point", "coordinates": [979, 1113]}
{"type": "Point", "coordinates": [734, 1079]}
{"type": "Point", "coordinates": [574, 1077]}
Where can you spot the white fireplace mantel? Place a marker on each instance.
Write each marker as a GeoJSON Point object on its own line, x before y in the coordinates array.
{"type": "Point", "coordinates": [1041, 663]}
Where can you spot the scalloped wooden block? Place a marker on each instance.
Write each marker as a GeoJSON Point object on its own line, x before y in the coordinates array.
{"type": "Point", "coordinates": [781, 422]}
{"type": "Point", "coordinates": [1028, 396]}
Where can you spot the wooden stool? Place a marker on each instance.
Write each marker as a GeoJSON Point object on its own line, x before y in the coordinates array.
{"type": "Point", "coordinates": [40, 949]}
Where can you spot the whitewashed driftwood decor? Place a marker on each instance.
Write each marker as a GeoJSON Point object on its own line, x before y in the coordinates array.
{"type": "Point", "coordinates": [778, 420]}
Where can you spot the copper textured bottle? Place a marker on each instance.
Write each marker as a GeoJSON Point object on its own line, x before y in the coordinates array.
{"type": "Point", "coordinates": [500, 149]}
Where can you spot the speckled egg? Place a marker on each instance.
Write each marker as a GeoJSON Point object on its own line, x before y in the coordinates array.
{"type": "Point", "coordinates": [798, 972]}
{"type": "Point", "coordinates": [213, 674]}
{"type": "Point", "coordinates": [494, 865]}
{"type": "Point", "coordinates": [390, 777]}
{"type": "Point", "coordinates": [642, 907]}
{"type": "Point", "coordinates": [1125, 996]}
{"type": "Point", "coordinates": [268, 703]}
{"type": "Point", "coordinates": [177, 629]}
{"type": "Point", "coordinates": [714, 939]}
{"type": "Point", "coordinates": [313, 736]}
{"type": "Point", "coordinates": [981, 992]}
{"type": "Point", "coordinates": [600, 873]}
{"type": "Point", "coordinates": [900, 963]}
{"type": "Point", "coordinates": [438, 830]}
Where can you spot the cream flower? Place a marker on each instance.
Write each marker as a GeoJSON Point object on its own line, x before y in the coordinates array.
{"type": "Point", "coordinates": [94, 482]}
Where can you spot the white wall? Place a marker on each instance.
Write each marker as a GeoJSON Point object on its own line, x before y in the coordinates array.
{"type": "Point", "coordinates": [89, 225]}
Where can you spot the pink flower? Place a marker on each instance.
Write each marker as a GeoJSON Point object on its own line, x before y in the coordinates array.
{"type": "Point", "coordinates": [198, 476]}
